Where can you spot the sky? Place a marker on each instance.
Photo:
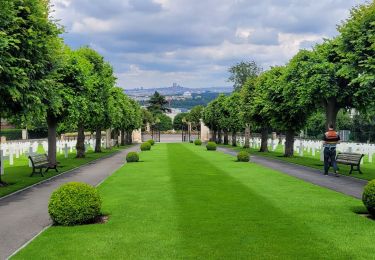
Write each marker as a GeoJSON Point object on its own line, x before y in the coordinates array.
{"type": "Point", "coordinates": [154, 43]}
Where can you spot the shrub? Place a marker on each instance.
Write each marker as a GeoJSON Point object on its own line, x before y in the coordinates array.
{"type": "Point", "coordinates": [198, 142]}
{"type": "Point", "coordinates": [243, 156]}
{"type": "Point", "coordinates": [211, 146]}
{"type": "Point", "coordinates": [151, 141]}
{"type": "Point", "coordinates": [132, 157]}
{"type": "Point", "coordinates": [191, 141]}
{"type": "Point", "coordinates": [368, 197]}
{"type": "Point", "coordinates": [146, 146]}
{"type": "Point", "coordinates": [74, 203]}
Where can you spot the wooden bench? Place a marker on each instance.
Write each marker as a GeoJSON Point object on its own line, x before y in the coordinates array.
{"type": "Point", "coordinates": [40, 161]}
{"type": "Point", "coordinates": [352, 159]}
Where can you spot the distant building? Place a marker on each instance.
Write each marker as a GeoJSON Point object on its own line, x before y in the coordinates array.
{"type": "Point", "coordinates": [187, 95]}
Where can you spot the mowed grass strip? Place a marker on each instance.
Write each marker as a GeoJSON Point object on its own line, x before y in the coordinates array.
{"type": "Point", "coordinates": [17, 176]}
{"type": "Point", "coordinates": [185, 202]}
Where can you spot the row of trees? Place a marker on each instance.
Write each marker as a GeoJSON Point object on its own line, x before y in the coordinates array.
{"type": "Point", "coordinates": [42, 79]}
{"type": "Point", "coordinates": [336, 75]}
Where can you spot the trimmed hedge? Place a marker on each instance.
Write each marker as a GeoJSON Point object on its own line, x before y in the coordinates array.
{"type": "Point", "coordinates": [368, 197]}
{"type": "Point", "coordinates": [211, 146]}
{"type": "Point", "coordinates": [198, 142]}
{"type": "Point", "coordinates": [74, 203]}
{"type": "Point", "coordinates": [151, 141]}
{"type": "Point", "coordinates": [146, 146]}
{"type": "Point", "coordinates": [243, 156]}
{"type": "Point", "coordinates": [132, 157]}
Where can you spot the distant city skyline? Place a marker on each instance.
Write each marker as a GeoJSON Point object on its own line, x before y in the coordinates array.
{"type": "Point", "coordinates": [153, 43]}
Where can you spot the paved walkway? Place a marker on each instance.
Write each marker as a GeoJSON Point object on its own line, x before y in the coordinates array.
{"type": "Point", "coordinates": [25, 214]}
{"type": "Point", "coordinates": [344, 184]}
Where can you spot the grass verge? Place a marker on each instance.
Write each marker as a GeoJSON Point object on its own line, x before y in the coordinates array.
{"type": "Point", "coordinates": [182, 201]}
{"type": "Point", "coordinates": [309, 160]}
{"type": "Point", "coordinates": [18, 177]}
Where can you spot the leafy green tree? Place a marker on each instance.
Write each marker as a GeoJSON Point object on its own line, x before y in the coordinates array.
{"type": "Point", "coordinates": [147, 118]}
{"type": "Point", "coordinates": [241, 72]}
{"type": "Point", "coordinates": [194, 117]}
{"type": "Point", "coordinates": [356, 56]}
{"type": "Point", "coordinates": [177, 121]}
{"type": "Point", "coordinates": [29, 46]}
{"type": "Point", "coordinates": [158, 104]}
{"type": "Point", "coordinates": [164, 122]}
{"type": "Point", "coordinates": [234, 120]}
{"type": "Point", "coordinates": [211, 115]}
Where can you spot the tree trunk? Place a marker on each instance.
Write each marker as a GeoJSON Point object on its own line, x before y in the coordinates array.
{"type": "Point", "coordinates": [213, 137]}
{"type": "Point", "coordinates": [80, 146]}
{"type": "Point", "coordinates": [264, 137]}
{"type": "Point", "coordinates": [234, 138]}
{"type": "Point", "coordinates": [129, 137]}
{"type": "Point", "coordinates": [122, 137]}
{"type": "Point", "coordinates": [226, 137]}
{"type": "Point", "coordinates": [52, 127]}
{"type": "Point", "coordinates": [247, 137]}
{"type": "Point", "coordinates": [332, 110]}
{"type": "Point", "coordinates": [98, 143]}
{"type": "Point", "coordinates": [289, 143]}
{"type": "Point", "coordinates": [219, 137]}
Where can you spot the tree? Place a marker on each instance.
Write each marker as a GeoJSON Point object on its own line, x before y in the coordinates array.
{"type": "Point", "coordinates": [157, 104]}
{"type": "Point", "coordinates": [241, 72]}
{"type": "Point", "coordinates": [195, 116]}
{"type": "Point", "coordinates": [211, 115]}
{"type": "Point", "coordinates": [164, 122]}
{"type": "Point", "coordinates": [234, 120]}
{"type": "Point", "coordinates": [147, 118]}
{"type": "Point", "coordinates": [356, 49]}
{"type": "Point", "coordinates": [28, 43]}
{"type": "Point", "coordinates": [177, 121]}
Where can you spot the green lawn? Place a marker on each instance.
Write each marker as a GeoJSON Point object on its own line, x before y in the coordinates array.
{"type": "Point", "coordinates": [18, 177]}
{"type": "Point", "coordinates": [182, 202]}
{"type": "Point", "coordinates": [309, 160]}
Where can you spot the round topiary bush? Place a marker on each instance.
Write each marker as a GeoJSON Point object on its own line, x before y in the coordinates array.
{"type": "Point", "coordinates": [132, 157]}
{"type": "Point", "coordinates": [151, 141]}
{"type": "Point", "coordinates": [146, 146]}
{"type": "Point", "coordinates": [211, 146]}
{"type": "Point", "coordinates": [198, 142]}
{"type": "Point", "coordinates": [191, 141]}
{"type": "Point", "coordinates": [368, 197]}
{"type": "Point", "coordinates": [243, 156]}
{"type": "Point", "coordinates": [74, 203]}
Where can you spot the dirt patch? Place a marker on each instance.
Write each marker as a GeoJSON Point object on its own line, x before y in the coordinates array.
{"type": "Point", "coordinates": [101, 219]}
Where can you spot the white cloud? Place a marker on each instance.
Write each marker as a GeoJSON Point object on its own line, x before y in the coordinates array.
{"type": "Point", "coordinates": [193, 42]}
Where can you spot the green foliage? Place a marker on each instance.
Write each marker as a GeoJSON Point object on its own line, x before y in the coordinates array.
{"type": "Point", "coordinates": [74, 204]}
{"type": "Point", "coordinates": [195, 115]}
{"type": "Point", "coordinates": [178, 123]}
{"type": "Point", "coordinates": [198, 142]}
{"type": "Point", "coordinates": [132, 157]}
{"type": "Point", "coordinates": [368, 197]}
{"type": "Point", "coordinates": [146, 146]}
{"type": "Point", "coordinates": [211, 146]}
{"type": "Point", "coordinates": [11, 134]}
{"type": "Point", "coordinates": [163, 122]}
{"type": "Point", "coordinates": [243, 156]}
{"type": "Point", "coordinates": [157, 104]}
{"type": "Point", "coordinates": [151, 141]}
{"type": "Point", "coordinates": [241, 72]}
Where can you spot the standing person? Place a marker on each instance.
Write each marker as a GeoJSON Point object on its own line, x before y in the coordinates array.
{"type": "Point", "coordinates": [330, 140]}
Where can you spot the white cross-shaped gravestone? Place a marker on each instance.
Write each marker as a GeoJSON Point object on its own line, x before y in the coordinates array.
{"type": "Point", "coordinates": [66, 150]}
{"type": "Point", "coordinates": [1, 162]}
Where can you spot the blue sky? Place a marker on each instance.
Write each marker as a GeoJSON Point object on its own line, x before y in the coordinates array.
{"type": "Point", "coordinates": [153, 43]}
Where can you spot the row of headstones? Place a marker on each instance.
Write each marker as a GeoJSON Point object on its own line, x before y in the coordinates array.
{"type": "Point", "coordinates": [313, 147]}
{"type": "Point", "coordinates": [9, 151]}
